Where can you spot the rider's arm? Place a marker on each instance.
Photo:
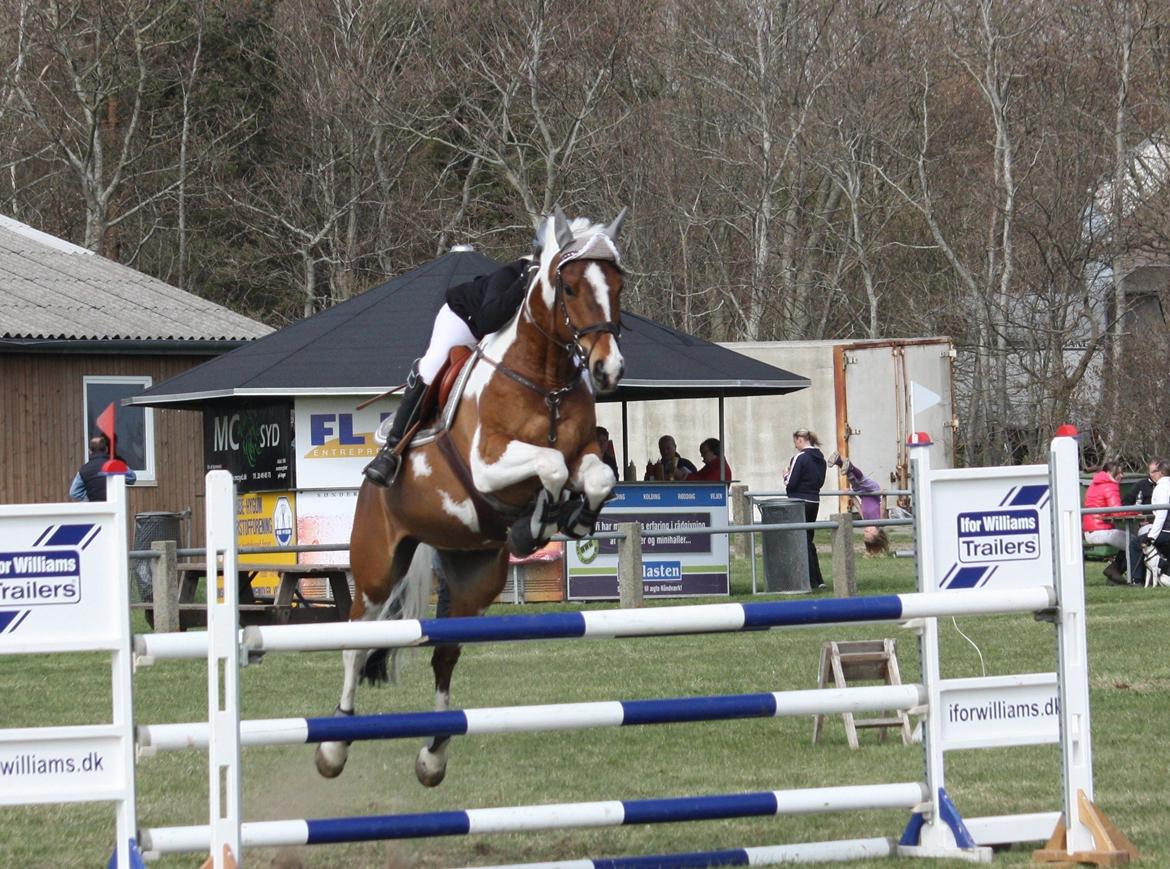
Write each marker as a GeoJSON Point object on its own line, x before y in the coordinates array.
{"type": "Point", "coordinates": [503, 292]}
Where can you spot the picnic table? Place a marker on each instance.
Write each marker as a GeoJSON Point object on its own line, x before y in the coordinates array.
{"type": "Point", "coordinates": [290, 604]}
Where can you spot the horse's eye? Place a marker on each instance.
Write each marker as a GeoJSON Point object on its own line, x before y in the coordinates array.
{"type": "Point", "coordinates": [570, 290]}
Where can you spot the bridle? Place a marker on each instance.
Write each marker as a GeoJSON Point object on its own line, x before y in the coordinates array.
{"type": "Point", "coordinates": [573, 349]}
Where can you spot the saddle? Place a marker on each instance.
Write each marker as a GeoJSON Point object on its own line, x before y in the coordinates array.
{"type": "Point", "coordinates": [432, 418]}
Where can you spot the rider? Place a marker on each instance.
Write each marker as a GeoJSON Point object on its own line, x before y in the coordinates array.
{"type": "Point", "coordinates": [472, 310]}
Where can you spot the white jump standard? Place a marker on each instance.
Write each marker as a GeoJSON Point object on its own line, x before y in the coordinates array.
{"type": "Point", "coordinates": [1028, 519]}
{"type": "Point", "coordinates": [990, 540]}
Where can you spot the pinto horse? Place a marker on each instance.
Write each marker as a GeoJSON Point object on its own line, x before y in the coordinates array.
{"type": "Point", "coordinates": [513, 461]}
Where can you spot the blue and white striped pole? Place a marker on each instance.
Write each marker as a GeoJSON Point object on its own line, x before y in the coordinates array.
{"type": "Point", "coordinates": [608, 624]}
{"type": "Point", "coordinates": [610, 813]}
{"type": "Point", "coordinates": [524, 719]}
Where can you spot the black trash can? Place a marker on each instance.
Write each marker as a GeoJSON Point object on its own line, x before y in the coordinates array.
{"type": "Point", "coordinates": [148, 528]}
{"type": "Point", "coordinates": [785, 552]}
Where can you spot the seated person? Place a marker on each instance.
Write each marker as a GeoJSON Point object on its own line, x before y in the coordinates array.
{"type": "Point", "coordinates": [671, 466]}
{"type": "Point", "coordinates": [1098, 528]}
{"type": "Point", "coordinates": [715, 467]}
{"type": "Point", "coordinates": [1157, 532]}
{"type": "Point", "coordinates": [869, 504]}
{"type": "Point", "coordinates": [607, 452]}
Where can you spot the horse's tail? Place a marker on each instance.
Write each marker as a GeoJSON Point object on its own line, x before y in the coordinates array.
{"type": "Point", "coordinates": [408, 600]}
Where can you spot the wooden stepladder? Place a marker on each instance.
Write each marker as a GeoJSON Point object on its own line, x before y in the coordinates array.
{"type": "Point", "coordinates": [844, 664]}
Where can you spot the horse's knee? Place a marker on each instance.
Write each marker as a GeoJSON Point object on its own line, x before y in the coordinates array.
{"type": "Point", "coordinates": [598, 481]}
{"type": "Point", "coordinates": [552, 471]}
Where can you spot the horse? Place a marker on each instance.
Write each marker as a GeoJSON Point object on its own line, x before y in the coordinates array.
{"type": "Point", "coordinates": [513, 460]}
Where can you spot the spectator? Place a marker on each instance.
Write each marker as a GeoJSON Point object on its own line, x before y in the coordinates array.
{"type": "Point", "coordinates": [671, 466]}
{"type": "Point", "coordinates": [803, 481]}
{"type": "Point", "coordinates": [1105, 491]}
{"type": "Point", "coordinates": [607, 452]}
{"type": "Point", "coordinates": [89, 484]}
{"type": "Point", "coordinates": [1141, 493]}
{"type": "Point", "coordinates": [1158, 532]}
{"type": "Point", "coordinates": [869, 504]}
{"type": "Point", "coordinates": [715, 467]}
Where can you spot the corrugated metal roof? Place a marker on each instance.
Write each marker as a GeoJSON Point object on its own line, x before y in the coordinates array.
{"type": "Point", "coordinates": [53, 290]}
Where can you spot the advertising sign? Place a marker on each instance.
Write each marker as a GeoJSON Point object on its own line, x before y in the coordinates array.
{"type": "Point", "coordinates": [254, 444]}
{"type": "Point", "coordinates": [992, 528]}
{"type": "Point", "coordinates": [335, 440]}
{"type": "Point", "coordinates": [57, 572]}
{"type": "Point", "coordinates": [999, 711]}
{"type": "Point", "coordinates": [267, 519]}
{"type": "Point", "coordinates": [324, 516]}
{"type": "Point", "coordinates": [674, 563]}
{"type": "Point", "coordinates": [63, 588]}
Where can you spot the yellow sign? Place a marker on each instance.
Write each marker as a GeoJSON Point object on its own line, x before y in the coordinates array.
{"type": "Point", "coordinates": [267, 519]}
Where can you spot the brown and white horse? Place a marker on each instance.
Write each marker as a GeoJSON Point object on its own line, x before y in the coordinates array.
{"type": "Point", "coordinates": [517, 462]}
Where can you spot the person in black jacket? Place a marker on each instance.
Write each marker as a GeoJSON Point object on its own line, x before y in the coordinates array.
{"type": "Point", "coordinates": [803, 481]}
{"type": "Point", "coordinates": [89, 484]}
{"type": "Point", "coordinates": [473, 309]}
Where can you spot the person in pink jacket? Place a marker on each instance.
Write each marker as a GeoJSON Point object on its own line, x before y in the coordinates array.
{"type": "Point", "coordinates": [1105, 491]}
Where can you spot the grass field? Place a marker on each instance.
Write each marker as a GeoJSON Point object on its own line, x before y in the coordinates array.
{"type": "Point", "coordinates": [1130, 676]}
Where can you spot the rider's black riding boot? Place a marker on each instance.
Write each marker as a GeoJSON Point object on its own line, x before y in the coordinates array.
{"type": "Point", "coordinates": [384, 467]}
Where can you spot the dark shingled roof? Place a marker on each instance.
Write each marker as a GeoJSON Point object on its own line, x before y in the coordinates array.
{"type": "Point", "coordinates": [366, 345]}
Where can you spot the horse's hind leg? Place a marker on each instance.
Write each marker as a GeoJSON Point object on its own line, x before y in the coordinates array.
{"type": "Point", "coordinates": [377, 564]}
{"type": "Point", "coordinates": [330, 757]}
{"type": "Point", "coordinates": [470, 582]}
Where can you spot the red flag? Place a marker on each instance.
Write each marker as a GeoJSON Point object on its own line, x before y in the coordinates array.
{"type": "Point", "coordinates": [105, 424]}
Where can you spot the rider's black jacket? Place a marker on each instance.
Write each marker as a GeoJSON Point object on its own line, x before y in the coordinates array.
{"type": "Point", "coordinates": [487, 303]}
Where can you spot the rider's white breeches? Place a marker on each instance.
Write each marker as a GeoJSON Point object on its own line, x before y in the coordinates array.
{"type": "Point", "coordinates": [449, 331]}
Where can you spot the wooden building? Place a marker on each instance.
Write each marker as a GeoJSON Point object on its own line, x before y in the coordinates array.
{"type": "Point", "coordinates": [77, 332]}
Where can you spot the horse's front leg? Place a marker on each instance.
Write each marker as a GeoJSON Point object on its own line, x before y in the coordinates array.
{"type": "Point", "coordinates": [595, 479]}
{"type": "Point", "coordinates": [521, 461]}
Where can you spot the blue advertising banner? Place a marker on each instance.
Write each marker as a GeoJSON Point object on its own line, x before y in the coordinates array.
{"type": "Point", "coordinates": [675, 563]}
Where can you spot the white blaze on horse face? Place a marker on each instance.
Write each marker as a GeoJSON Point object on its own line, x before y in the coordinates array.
{"type": "Point", "coordinates": [595, 277]}
{"type": "Point", "coordinates": [612, 364]}
{"type": "Point", "coordinates": [419, 465]}
{"type": "Point", "coordinates": [520, 461]}
{"type": "Point", "coordinates": [463, 510]}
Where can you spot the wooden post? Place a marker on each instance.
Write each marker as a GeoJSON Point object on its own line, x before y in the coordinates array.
{"type": "Point", "coordinates": [844, 563]}
{"type": "Point", "coordinates": [164, 579]}
{"type": "Point", "coordinates": [740, 516]}
{"type": "Point", "coordinates": [630, 564]}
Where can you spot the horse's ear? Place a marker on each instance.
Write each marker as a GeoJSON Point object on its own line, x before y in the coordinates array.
{"type": "Point", "coordinates": [614, 228]}
{"type": "Point", "coordinates": [564, 234]}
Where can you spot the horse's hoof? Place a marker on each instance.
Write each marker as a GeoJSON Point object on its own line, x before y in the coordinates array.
{"type": "Point", "coordinates": [329, 767]}
{"type": "Point", "coordinates": [430, 769]}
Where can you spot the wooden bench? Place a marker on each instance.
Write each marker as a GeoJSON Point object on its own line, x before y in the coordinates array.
{"type": "Point", "coordinates": [178, 582]}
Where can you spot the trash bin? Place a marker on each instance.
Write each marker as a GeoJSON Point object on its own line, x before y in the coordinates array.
{"type": "Point", "coordinates": [149, 527]}
{"type": "Point", "coordinates": [785, 552]}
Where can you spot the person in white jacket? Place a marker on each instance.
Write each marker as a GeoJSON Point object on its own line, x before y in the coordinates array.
{"type": "Point", "coordinates": [1158, 532]}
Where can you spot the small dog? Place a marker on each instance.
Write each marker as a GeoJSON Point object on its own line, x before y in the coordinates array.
{"type": "Point", "coordinates": [1155, 575]}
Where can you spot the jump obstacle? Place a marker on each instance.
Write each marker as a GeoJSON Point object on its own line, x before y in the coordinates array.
{"type": "Point", "coordinates": [965, 567]}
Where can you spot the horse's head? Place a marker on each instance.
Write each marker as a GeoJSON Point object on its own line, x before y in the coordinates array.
{"type": "Point", "coordinates": [580, 285]}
